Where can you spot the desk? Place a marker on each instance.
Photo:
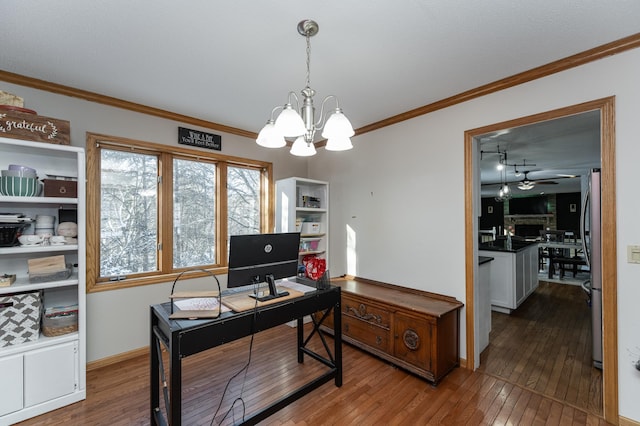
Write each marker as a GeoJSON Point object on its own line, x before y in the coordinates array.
{"type": "Point", "coordinates": [183, 338]}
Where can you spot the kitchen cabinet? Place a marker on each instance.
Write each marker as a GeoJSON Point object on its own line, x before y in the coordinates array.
{"type": "Point", "coordinates": [513, 276]}
{"type": "Point", "coordinates": [413, 329]}
{"type": "Point", "coordinates": [302, 205]}
{"type": "Point", "coordinates": [483, 305]}
{"type": "Point", "coordinates": [48, 372]}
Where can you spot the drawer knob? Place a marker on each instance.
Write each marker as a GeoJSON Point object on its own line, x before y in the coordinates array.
{"type": "Point", "coordinates": [411, 339]}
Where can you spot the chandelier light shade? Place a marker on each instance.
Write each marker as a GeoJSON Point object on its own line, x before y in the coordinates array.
{"type": "Point", "coordinates": [269, 137]}
{"type": "Point", "coordinates": [338, 125]}
{"type": "Point", "coordinates": [289, 123]}
{"type": "Point", "coordinates": [338, 144]}
{"type": "Point", "coordinates": [300, 122]}
{"type": "Point", "coordinates": [301, 148]}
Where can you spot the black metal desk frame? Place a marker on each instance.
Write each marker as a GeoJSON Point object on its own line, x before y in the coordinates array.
{"type": "Point", "coordinates": [183, 338]}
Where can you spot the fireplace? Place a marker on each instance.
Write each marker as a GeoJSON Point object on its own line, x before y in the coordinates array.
{"type": "Point", "coordinates": [528, 230]}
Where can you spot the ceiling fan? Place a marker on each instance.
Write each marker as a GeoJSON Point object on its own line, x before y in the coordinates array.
{"type": "Point", "coordinates": [526, 184]}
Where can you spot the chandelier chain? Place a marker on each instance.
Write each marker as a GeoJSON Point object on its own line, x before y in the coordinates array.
{"type": "Point", "coordinates": [308, 60]}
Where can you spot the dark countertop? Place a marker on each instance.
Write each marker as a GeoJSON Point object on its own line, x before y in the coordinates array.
{"type": "Point", "coordinates": [500, 244]}
{"type": "Point", "coordinates": [484, 259]}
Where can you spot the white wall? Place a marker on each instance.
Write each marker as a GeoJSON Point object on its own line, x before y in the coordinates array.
{"type": "Point", "coordinates": [118, 321]}
{"type": "Point", "coordinates": [401, 190]}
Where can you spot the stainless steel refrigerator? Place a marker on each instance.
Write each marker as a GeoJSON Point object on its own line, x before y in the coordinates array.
{"type": "Point", "coordinates": [591, 235]}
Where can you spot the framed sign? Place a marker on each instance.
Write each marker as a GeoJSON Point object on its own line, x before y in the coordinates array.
{"type": "Point", "coordinates": [199, 139]}
{"type": "Point", "coordinates": [20, 125]}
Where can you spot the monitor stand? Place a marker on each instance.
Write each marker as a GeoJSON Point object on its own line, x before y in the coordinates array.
{"type": "Point", "coordinates": [273, 292]}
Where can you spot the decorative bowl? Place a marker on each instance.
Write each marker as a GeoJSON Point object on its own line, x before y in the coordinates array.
{"type": "Point", "coordinates": [29, 240]}
{"type": "Point", "coordinates": [23, 168]}
{"type": "Point", "coordinates": [19, 186]}
{"type": "Point", "coordinates": [19, 173]}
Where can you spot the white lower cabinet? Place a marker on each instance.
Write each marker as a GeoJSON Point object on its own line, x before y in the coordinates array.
{"type": "Point", "coordinates": [513, 277]}
{"type": "Point", "coordinates": [11, 393]}
{"type": "Point", "coordinates": [38, 377]}
{"type": "Point", "coordinates": [50, 373]}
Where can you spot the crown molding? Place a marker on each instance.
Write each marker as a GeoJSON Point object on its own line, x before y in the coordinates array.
{"type": "Point", "coordinates": [609, 49]}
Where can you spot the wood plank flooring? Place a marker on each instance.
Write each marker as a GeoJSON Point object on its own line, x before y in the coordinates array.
{"type": "Point", "coordinates": [374, 392]}
{"type": "Point", "coordinates": [545, 346]}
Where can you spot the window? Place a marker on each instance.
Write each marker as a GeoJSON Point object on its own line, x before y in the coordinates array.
{"type": "Point", "coordinates": [243, 201]}
{"type": "Point", "coordinates": [155, 210]}
{"type": "Point", "coordinates": [128, 212]}
{"type": "Point", "coordinates": [194, 213]}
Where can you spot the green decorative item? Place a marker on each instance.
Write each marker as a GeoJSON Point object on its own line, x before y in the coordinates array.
{"type": "Point", "coordinates": [19, 186]}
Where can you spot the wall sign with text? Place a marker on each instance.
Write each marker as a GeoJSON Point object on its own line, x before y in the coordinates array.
{"type": "Point", "coordinates": [199, 139]}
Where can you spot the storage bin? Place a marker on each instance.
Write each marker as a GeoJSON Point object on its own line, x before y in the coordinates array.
{"type": "Point", "coordinates": [311, 227]}
{"type": "Point", "coordinates": [20, 318]}
{"type": "Point", "coordinates": [59, 323]}
{"type": "Point", "coordinates": [9, 234]}
{"type": "Point", "coordinates": [309, 245]}
{"type": "Point", "coordinates": [60, 188]}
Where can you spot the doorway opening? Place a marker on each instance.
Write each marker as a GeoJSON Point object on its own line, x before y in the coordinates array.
{"type": "Point", "coordinates": [605, 109]}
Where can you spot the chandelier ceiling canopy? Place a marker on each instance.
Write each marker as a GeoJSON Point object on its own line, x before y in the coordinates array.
{"type": "Point", "coordinates": [300, 122]}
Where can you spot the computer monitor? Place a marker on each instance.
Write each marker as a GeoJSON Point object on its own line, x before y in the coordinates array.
{"type": "Point", "coordinates": [258, 258]}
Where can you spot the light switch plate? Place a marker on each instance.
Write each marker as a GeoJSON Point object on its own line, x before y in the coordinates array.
{"type": "Point", "coordinates": [633, 254]}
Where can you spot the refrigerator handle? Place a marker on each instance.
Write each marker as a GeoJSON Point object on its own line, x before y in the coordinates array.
{"type": "Point", "coordinates": [583, 226]}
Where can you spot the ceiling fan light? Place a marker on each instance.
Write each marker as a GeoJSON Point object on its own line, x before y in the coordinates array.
{"type": "Point", "coordinates": [338, 125]}
{"type": "Point", "coordinates": [338, 144]}
{"type": "Point", "coordinates": [301, 148]}
{"type": "Point", "coordinates": [269, 137]}
{"type": "Point", "coordinates": [525, 186]}
{"type": "Point", "coordinates": [289, 123]}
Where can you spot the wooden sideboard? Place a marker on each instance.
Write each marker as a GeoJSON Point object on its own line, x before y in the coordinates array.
{"type": "Point", "coordinates": [415, 330]}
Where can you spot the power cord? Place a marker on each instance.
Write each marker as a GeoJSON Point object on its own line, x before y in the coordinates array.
{"type": "Point", "coordinates": [244, 369]}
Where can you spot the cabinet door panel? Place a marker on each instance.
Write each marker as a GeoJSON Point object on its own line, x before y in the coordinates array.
{"type": "Point", "coordinates": [412, 340]}
{"type": "Point", "coordinates": [50, 373]}
{"type": "Point", "coordinates": [11, 394]}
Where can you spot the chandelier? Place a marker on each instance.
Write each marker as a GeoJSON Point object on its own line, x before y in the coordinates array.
{"type": "Point", "coordinates": [300, 122]}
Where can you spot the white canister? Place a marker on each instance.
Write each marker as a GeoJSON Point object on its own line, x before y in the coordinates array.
{"type": "Point", "coordinates": [44, 220]}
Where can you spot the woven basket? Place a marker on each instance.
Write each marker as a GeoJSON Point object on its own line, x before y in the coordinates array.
{"type": "Point", "coordinates": [58, 331]}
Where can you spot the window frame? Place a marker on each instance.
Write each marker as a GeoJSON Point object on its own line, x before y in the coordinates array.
{"type": "Point", "coordinates": [166, 154]}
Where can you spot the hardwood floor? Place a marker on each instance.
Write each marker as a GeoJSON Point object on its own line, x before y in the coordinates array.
{"type": "Point", "coordinates": [374, 392]}
{"type": "Point", "coordinates": [545, 346]}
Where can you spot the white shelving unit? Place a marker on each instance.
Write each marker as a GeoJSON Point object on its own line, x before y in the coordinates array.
{"type": "Point", "coordinates": [47, 373]}
{"type": "Point", "coordinates": [293, 205]}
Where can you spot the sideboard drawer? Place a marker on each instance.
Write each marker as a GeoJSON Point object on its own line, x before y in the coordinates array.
{"type": "Point", "coordinates": [365, 311]}
{"type": "Point", "coordinates": [369, 334]}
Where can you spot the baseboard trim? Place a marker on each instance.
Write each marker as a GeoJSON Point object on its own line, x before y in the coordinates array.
{"type": "Point", "coordinates": [623, 421]}
{"type": "Point", "coordinates": [111, 360]}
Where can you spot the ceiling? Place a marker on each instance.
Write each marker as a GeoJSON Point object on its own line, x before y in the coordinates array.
{"type": "Point", "coordinates": [555, 153]}
{"type": "Point", "coordinates": [230, 62]}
